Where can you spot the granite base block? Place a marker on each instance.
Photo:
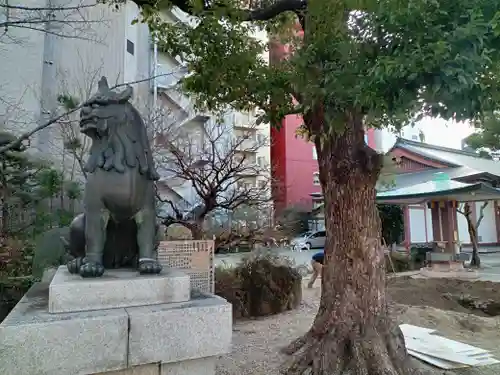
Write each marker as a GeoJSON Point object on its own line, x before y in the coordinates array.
{"type": "Point", "coordinates": [116, 289]}
{"type": "Point", "coordinates": [177, 332]}
{"type": "Point", "coordinates": [201, 366]}
{"type": "Point", "coordinates": [35, 342]}
{"type": "Point", "coordinates": [184, 338]}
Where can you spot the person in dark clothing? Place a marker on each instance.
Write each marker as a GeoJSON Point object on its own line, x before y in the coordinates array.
{"type": "Point", "coordinates": [317, 266]}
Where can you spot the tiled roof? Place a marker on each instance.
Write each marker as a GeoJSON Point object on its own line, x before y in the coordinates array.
{"type": "Point", "coordinates": [452, 157]}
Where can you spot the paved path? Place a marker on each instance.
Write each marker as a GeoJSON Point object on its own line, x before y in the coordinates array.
{"type": "Point", "coordinates": [490, 261]}
{"type": "Point", "coordinates": [299, 258]}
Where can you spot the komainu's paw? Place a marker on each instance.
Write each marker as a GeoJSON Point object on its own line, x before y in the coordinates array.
{"type": "Point", "coordinates": [149, 266]}
{"type": "Point", "coordinates": [91, 269]}
{"type": "Point", "coordinates": [74, 265]}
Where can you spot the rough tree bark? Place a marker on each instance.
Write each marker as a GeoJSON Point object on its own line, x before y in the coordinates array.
{"type": "Point", "coordinates": [472, 229]}
{"type": "Point", "coordinates": [352, 333]}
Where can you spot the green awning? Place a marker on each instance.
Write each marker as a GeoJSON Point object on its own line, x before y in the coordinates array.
{"type": "Point", "coordinates": [441, 189]}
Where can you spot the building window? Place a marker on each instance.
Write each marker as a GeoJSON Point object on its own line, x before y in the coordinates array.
{"type": "Point", "coordinates": [261, 161]}
{"type": "Point", "coordinates": [316, 179]}
{"type": "Point", "coordinates": [315, 153]}
{"type": "Point", "coordinates": [414, 137]}
{"type": "Point", "coordinates": [130, 47]}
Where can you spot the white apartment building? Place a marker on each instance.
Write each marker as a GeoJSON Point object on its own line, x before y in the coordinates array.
{"type": "Point", "coordinates": [385, 138]}
{"type": "Point", "coordinates": [39, 66]}
{"type": "Point", "coordinates": [255, 149]}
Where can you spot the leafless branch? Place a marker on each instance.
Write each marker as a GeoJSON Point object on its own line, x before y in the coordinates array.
{"type": "Point", "coordinates": [65, 114]}
{"type": "Point", "coordinates": [466, 211]}
{"type": "Point", "coordinates": [74, 21]}
{"type": "Point", "coordinates": [214, 160]}
{"type": "Point", "coordinates": [481, 213]}
{"type": "Point", "coordinates": [256, 12]}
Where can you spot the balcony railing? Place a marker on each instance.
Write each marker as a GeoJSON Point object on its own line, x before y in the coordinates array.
{"type": "Point", "coordinates": [167, 78]}
{"type": "Point", "coordinates": [243, 120]}
{"type": "Point", "coordinates": [247, 145]}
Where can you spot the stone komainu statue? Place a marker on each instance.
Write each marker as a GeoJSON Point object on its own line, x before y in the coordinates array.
{"type": "Point", "coordinates": [118, 227]}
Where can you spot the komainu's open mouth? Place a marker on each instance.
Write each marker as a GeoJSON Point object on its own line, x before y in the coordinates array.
{"type": "Point", "coordinates": [88, 127]}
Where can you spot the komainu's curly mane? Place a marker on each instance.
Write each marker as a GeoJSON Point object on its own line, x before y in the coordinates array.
{"type": "Point", "coordinates": [125, 146]}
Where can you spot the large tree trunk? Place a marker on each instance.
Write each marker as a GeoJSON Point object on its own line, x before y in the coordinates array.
{"type": "Point", "coordinates": [352, 333]}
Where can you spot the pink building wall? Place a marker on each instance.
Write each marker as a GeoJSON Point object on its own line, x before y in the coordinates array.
{"type": "Point", "coordinates": [292, 158]}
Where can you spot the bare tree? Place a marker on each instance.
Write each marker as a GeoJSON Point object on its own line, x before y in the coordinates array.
{"type": "Point", "coordinates": [73, 19]}
{"type": "Point", "coordinates": [244, 226]}
{"type": "Point", "coordinates": [218, 164]}
{"type": "Point", "coordinates": [472, 228]}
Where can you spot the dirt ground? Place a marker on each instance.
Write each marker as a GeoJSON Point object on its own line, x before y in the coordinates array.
{"type": "Point", "coordinates": [422, 302]}
{"type": "Point", "coordinates": [441, 293]}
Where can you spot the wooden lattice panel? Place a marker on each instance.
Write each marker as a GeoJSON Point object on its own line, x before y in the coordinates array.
{"type": "Point", "coordinates": [196, 258]}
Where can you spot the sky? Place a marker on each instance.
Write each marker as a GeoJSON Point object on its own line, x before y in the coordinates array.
{"type": "Point", "coordinates": [437, 132]}
{"type": "Point", "coordinates": [442, 133]}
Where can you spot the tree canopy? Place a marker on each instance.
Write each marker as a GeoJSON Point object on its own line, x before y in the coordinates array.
{"type": "Point", "coordinates": [486, 137]}
{"type": "Point", "coordinates": [353, 64]}
{"type": "Point", "coordinates": [388, 60]}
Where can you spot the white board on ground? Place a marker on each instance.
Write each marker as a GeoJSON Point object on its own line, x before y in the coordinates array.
{"type": "Point", "coordinates": [441, 363]}
{"type": "Point", "coordinates": [410, 330]}
{"type": "Point", "coordinates": [432, 348]}
{"type": "Point", "coordinates": [442, 352]}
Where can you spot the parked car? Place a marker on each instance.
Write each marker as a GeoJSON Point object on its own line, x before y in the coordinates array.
{"type": "Point", "coordinates": [310, 240]}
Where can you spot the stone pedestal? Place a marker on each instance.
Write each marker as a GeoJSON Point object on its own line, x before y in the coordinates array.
{"type": "Point", "coordinates": [116, 288]}
{"type": "Point", "coordinates": [115, 336]}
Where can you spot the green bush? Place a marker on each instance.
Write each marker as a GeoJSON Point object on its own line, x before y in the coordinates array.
{"type": "Point", "coordinates": [397, 262]}
{"type": "Point", "coordinates": [15, 273]}
{"type": "Point", "coordinates": [49, 250]}
{"type": "Point", "coordinates": [261, 285]}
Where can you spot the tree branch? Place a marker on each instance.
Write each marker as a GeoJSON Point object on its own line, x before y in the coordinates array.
{"type": "Point", "coordinates": [280, 6]}
{"type": "Point", "coordinates": [213, 162]}
{"type": "Point", "coordinates": [41, 9]}
{"type": "Point", "coordinates": [177, 212]}
{"type": "Point", "coordinates": [17, 142]}
{"type": "Point", "coordinates": [259, 14]}
{"type": "Point", "coordinates": [481, 214]}
{"type": "Point", "coordinates": [466, 210]}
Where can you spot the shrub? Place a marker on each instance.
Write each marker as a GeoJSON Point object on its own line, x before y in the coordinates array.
{"type": "Point", "coordinates": [49, 250]}
{"type": "Point", "coordinates": [15, 273]}
{"type": "Point", "coordinates": [177, 232]}
{"type": "Point", "coordinates": [396, 262]}
{"type": "Point", "coordinates": [261, 285]}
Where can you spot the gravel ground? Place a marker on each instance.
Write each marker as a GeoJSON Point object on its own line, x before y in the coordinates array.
{"type": "Point", "coordinates": [256, 343]}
